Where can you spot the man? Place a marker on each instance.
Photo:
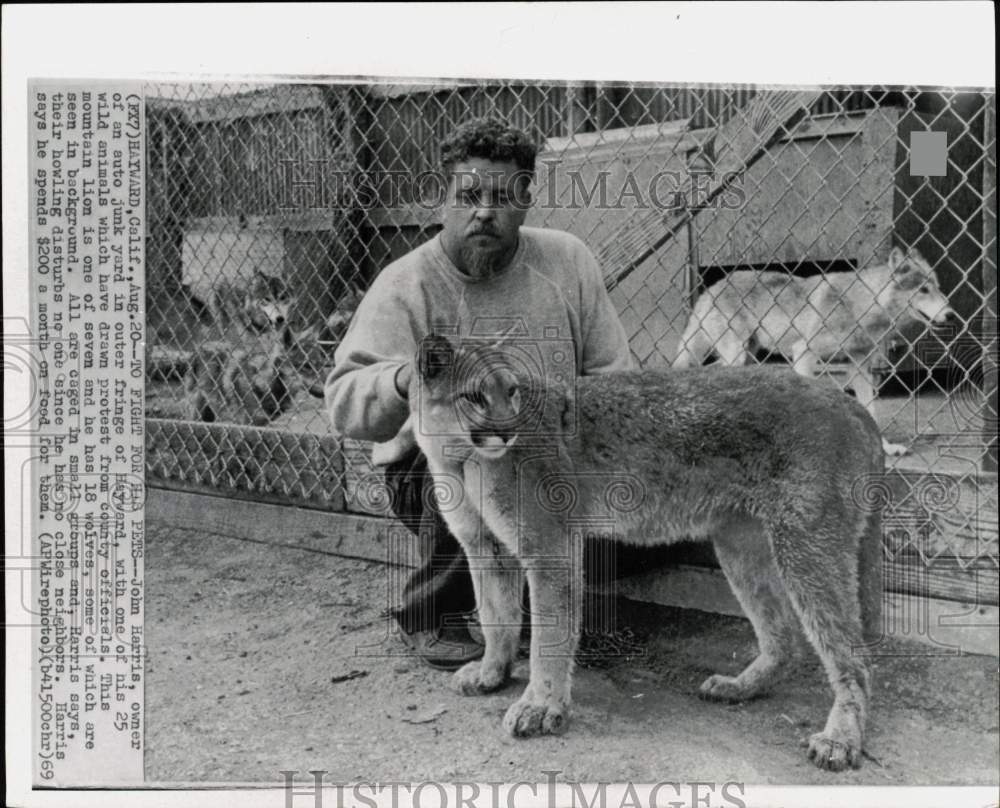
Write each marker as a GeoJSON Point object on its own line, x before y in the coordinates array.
{"type": "Point", "coordinates": [483, 275]}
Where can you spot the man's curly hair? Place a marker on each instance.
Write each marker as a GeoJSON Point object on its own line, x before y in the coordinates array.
{"type": "Point", "coordinates": [489, 139]}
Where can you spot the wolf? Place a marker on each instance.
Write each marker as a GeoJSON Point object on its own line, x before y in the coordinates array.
{"type": "Point", "coordinates": [267, 303]}
{"type": "Point", "coordinates": [259, 304]}
{"type": "Point", "coordinates": [852, 315]}
{"type": "Point", "coordinates": [770, 466]}
{"type": "Point", "coordinates": [254, 381]}
{"type": "Point", "coordinates": [253, 374]}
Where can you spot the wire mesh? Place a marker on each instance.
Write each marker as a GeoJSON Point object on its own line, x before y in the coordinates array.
{"type": "Point", "coordinates": [272, 207]}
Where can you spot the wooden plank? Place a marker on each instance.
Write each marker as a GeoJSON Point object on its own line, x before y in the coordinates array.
{"type": "Point", "coordinates": [290, 220]}
{"type": "Point", "coordinates": [946, 626]}
{"type": "Point", "coordinates": [738, 144]}
{"type": "Point", "coordinates": [397, 89]}
{"type": "Point", "coordinates": [943, 625]}
{"type": "Point", "coordinates": [872, 239]}
{"type": "Point", "coordinates": [827, 125]}
{"type": "Point", "coordinates": [636, 150]}
{"type": "Point", "coordinates": [617, 137]}
{"type": "Point", "coordinates": [279, 99]}
{"type": "Point", "coordinates": [365, 490]}
{"type": "Point", "coordinates": [944, 579]}
{"type": "Point", "coordinates": [339, 534]}
{"type": "Point", "coordinates": [940, 519]}
{"type": "Point", "coordinates": [693, 587]}
{"type": "Point", "coordinates": [241, 495]}
{"type": "Point", "coordinates": [576, 112]}
{"type": "Point", "coordinates": [605, 106]}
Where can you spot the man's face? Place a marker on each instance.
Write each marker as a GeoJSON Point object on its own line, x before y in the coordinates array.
{"type": "Point", "coordinates": [487, 203]}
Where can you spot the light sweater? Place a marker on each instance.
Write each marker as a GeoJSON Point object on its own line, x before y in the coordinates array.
{"type": "Point", "coordinates": [550, 299]}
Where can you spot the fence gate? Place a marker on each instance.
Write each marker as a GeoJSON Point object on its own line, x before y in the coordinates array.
{"type": "Point", "coordinates": [291, 198]}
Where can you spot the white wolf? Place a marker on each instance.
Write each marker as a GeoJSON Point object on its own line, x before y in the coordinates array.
{"type": "Point", "coordinates": [850, 314]}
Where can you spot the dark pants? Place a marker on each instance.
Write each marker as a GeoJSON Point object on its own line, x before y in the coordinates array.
{"type": "Point", "coordinates": [440, 589]}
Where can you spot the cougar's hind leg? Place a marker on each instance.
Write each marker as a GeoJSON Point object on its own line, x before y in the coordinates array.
{"type": "Point", "coordinates": [748, 563]}
{"type": "Point", "coordinates": [823, 585]}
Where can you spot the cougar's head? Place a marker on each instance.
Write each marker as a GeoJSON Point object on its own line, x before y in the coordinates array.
{"type": "Point", "coordinates": [467, 394]}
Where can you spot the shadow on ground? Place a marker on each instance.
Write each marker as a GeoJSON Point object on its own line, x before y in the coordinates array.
{"type": "Point", "coordinates": [264, 658]}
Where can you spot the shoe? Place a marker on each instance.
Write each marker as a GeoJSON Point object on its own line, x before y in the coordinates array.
{"type": "Point", "coordinates": [476, 632]}
{"type": "Point", "coordinates": [472, 626]}
{"type": "Point", "coordinates": [445, 649]}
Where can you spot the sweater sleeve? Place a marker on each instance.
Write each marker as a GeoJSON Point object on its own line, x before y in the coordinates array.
{"type": "Point", "coordinates": [605, 344]}
{"type": "Point", "coordinates": [361, 396]}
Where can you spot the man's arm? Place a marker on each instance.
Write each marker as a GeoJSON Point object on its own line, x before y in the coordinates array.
{"type": "Point", "coordinates": [366, 390]}
{"type": "Point", "coordinates": [605, 343]}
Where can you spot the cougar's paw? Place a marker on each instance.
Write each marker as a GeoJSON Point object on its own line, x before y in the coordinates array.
{"type": "Point", "coordinates": [723, 688]}
{"type": "Point", "coordinates": [527, 717]}
{"type": "Point", "coordinates": [894, 449]}
{"type": "Point", "coordinates": [834, 754]}
{"type": "Point", "coordinates": [475, 678]}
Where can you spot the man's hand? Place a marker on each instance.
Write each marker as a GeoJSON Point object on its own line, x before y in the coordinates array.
{"type": "Point", "coordinates": [403, 376]}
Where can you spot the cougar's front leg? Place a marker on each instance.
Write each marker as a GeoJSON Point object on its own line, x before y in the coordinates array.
{"type": "Point", "coordinates": [556, 607]}
{"type": "Point", "coordinates": [498, 581]}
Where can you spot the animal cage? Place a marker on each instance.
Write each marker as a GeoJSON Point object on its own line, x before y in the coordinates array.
{"type": "Point", "coordinates": [803, 182]}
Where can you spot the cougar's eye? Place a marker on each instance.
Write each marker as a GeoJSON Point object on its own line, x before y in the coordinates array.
{"type": "Point", "coordinates": [476, 399]}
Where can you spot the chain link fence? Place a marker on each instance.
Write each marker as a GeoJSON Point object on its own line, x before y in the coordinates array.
{"type": "Point", "coordinates": [272, 208]}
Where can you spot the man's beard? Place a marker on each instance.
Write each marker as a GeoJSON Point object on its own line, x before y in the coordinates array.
{"type": "Point", "coordinates": [482, 263]}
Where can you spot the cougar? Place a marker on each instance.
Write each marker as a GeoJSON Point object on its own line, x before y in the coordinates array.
{"type": "Point", "coordinates": [769, 466]}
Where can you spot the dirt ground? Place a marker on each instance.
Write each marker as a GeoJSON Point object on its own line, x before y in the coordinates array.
{"type": "Point", "coordinates": [263, 658]}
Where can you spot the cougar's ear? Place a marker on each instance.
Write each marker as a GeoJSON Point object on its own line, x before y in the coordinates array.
{"type": "Point", "coordinates": [435, 356]}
